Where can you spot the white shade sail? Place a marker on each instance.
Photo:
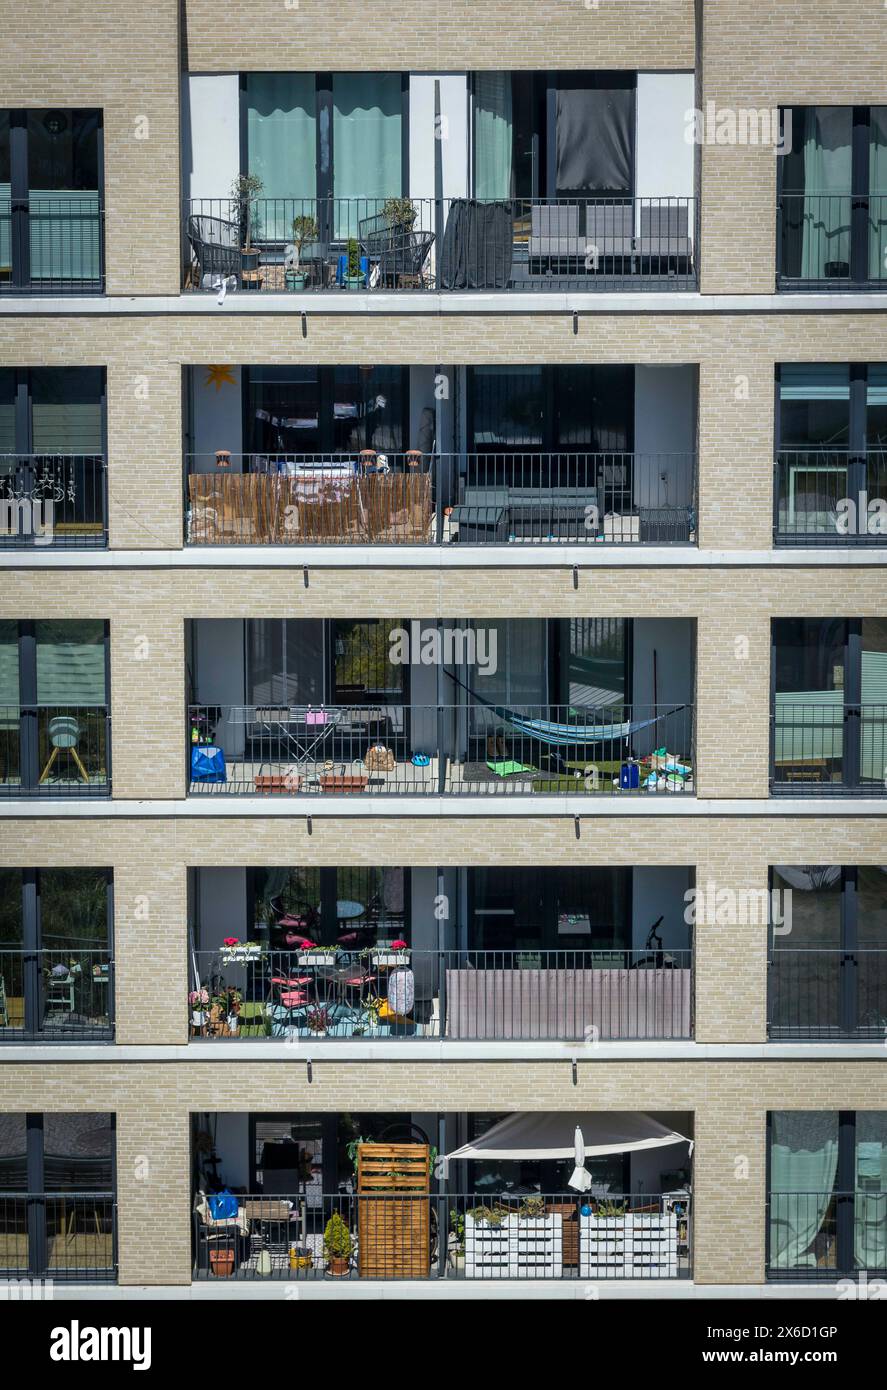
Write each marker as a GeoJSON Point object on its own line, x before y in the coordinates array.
{"type": "Point", "coordinates": [541, 1136]}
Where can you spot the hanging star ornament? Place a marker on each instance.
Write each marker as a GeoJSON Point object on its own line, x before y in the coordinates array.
{"type": "Point", "coordinates": [219, 376]}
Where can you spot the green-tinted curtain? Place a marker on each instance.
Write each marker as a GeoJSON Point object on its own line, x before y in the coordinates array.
{"type": "Point", "coordinates": [826, 142]}
{"type": "Point", "coordinates": [64, 228]}
{"type": "Point", "coordinates": [70, 662]}
{"type": "Point", "coordinates": [878, 193]}
{"type": "Point", "coordinates": [493, 134]}
{"type": "Point", "coordinates": [870, 1200]}
{"type": "Point", "coordinates": [5, 232]}
{"type": "Point", "coordinates": [9, 679]}
{"type": "Point", "coordinates": [366, 145]}
{"type": "Point", "coordinates": [281, 135]}
{"type": "Point", "coordinates": [803, 1165]}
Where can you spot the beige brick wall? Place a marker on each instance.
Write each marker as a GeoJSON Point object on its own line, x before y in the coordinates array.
{"type": "Point", "coordinates": [764, 56]}
{"type": "Point", "coordinates": [281, 35]}
{"type": "Point", "coordinates": [729, 1102]}
{"type": "Point", "coordinates": [123, 58]}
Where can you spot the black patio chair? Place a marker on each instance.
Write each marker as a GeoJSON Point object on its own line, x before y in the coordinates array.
{"type": "Point", "coordinates": [400, 252]}
{"type": "Point", "coordinates": [215, 244]}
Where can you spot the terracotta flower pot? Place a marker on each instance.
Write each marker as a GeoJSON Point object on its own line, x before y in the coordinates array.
{"type": "Point", "coordinates": [221, 1263]}
{"type": "Point", "coordinates": [337, 1266]}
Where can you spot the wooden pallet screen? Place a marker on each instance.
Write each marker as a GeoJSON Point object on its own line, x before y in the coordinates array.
{"type": "Point", "coordinates": [521, 1247]}
{"type": "Point", "coordinates": [393, 1213]}
{"type": "Point", "coordinates": [637, 1246]}
{"type": "Point", "coordinates": [272, 509]}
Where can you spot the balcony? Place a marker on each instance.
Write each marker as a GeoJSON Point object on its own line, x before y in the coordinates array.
{"type": "Point", "coordinates": [67, 1236]}
{"type": "Point", "coordinates": [413, 750]}
{"type": "Point", "coordinates": [830, 497]}
{"type": "Point", "coordinates": [56, 501]}
{"type": "Point", "coordinates": [421, 244]}
{"type": "Point", "coordinates": [56, 995]}
{"type": "Point", "coordinates": [55, 750]}
{"type": "Point", "coordinates": [392, 991]}
{"type": "Point", "coordinates": [826, 747]}
{"type": "Point", "coordinates": [831, 241]}
{"type": "Point", "coordinates": [448, 1236]}
{"type": "Point", "coordinates": [826, 994]}
{"type": "Point", "coordinates": [447, 499]}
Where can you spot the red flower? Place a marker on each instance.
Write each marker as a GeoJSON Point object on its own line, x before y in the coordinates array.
{"type": "Point", "coordinates": [231, 941]}
{"type": "Point", "coordinates": [398, 945]}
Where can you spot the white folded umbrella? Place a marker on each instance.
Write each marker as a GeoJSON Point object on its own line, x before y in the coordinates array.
{"type": "Point", "coordinates": [581, 1179]}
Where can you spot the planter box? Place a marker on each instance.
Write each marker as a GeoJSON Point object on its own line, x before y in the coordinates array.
{"type": "Point", "coordinates": [275, 783]}
{"type": "Point", "coordinates": [389, 959]}
{"type": "Point", "coordinates": [639, 1246]}
{"type": "Point", "coordinates": [238, 955]}
{"type": "Point", "coordinates": [352, 783]}
{"type": "Point", "coordinates": [521, 1248]}
{"type": "Point", "coordinates": [316, 958]}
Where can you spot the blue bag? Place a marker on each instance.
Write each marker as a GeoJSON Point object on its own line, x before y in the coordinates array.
{"type": "Point", "coordinates": [207, 763]}
{"type": "Point", "coordinates": [222, 1205]}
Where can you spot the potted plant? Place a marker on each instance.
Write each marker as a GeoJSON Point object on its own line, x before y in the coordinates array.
{"type": "Point", "coordinates": [319, 1020]}
{"type": "Point", "coordinates": [221, 1261]}
{"type": "Point", "coordinates": [304, 229]}
{"type": "Point", "coordinates": [245, 190]}
{"type": "Point", "coordinates": [397, 953]}
{"type": "Point", "coordinates": [354, 276]}
{"type": "Point", "coordinates": [199, 1001]}
{"type": "Point", "coordinates": [400, 212]}
{"type": "Point", "coordinates": [337, 1246]}
{"type": "Point", "coordinates": [456, 1242]}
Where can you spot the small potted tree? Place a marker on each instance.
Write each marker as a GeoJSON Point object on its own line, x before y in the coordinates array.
{"type": "Point", "coordinates": [337, 1246]}
{"type": "Point", "coordinates": [354, 275]}
{"type": "Point", "coordinates": [400, 212]}
{"type": "Point", "coordinates": [245, 191]}
{"type": "Point", "coordinates": [304, 229]}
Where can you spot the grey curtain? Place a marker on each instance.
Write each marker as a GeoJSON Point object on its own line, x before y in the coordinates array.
{"type": "Point", "coordinates": [594, 139]}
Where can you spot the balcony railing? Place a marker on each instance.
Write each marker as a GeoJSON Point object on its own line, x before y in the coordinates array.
{"type": "Point", "coordinates": [59, 1236]}
{"type": "Point", "coordinates": [830, 497]}
{"type": "Point", "coordinates": [52, 244]}
{"type": "Point", "coordinates": [53, 500]}
{"type": "Point", "coordinates": [379, 992]}
{"type": "Point", "coordinates": [55, 750]}
{"type": "Point", "coordinates": [831, 241]}
{"type": "Point", "coordinates": [825, 747]}
{"type": "Point", "coordinates": [478, 750]}
{"type": "Point", "coordinates": [517, 244]}
{"type": "Point", "coordinates": [406, 1235]}
{"type": "Point", "coordinates": [56, 995]}
{"type": "Point", "coordinates": [827, 993]}
{"type": "Point", "coordinates": [502, 498]}
{"type": "Point", "coordinates": [817, 1235]}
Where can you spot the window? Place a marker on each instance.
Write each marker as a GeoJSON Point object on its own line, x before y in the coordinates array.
{"type": "Point", "coordinates": [348, 906]}
{"type": "Point", "coordinates": [64, 1228]}
{"type": "Point", "coordinates": [55, 959]}
{"type": "Point", "coordinates": [327, 410]}
{"type": "Point", "coordinates": [339, 661]}
{"type": "Point", "coordinates": [54, 707]}
{"type": "Point", "coordinates": [833, 194]}
{"type": "Point", "coordinates": [51, 200]}
{"type": "Point", "coordinates": [331, 146]}
{"type": "Point", "coordinates": [830, 704]}
{"type": "Point", "coordinates": [517, 909]}
{"type": "Point", "coordinates": [52, 445]}
{"type": "Point", "coordinates": [828, 963]}
{"type": "Point", "coordinates": [827, 1183]}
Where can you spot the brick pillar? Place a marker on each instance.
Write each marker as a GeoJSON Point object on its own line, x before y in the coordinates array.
{"type": "Point", "coordinates": [736, 452]}
{"type": "Point", "coordinates": [153, 1184]}
{"type": "Point", "coordinates": [730, 941]}
{"type": "Point", "coordinates": [145, 453]}
{"type": "Point", "coordinates": [729, 1184]}
{"type": "Point", "coordinates": [733, 703]}
{"type": "Point", "coordinates": [148, 736]}
{"type": "Point", "coordinates": [151, 951]}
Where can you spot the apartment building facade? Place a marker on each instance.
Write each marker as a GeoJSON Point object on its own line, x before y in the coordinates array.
{"type": "Point", "coordinates": [557, 330]}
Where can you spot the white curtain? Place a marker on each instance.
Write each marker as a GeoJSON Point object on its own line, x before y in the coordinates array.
{"type": "Point", "coordinates": [803, 1165]}
{"type": "Point", "coordinates": [826, 135]}
{"type": "Point", "coordinates": [493, 137]}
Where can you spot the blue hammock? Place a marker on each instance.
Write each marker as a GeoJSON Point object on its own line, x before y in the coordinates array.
{"type": "Point", "coordinates": [565, 735]}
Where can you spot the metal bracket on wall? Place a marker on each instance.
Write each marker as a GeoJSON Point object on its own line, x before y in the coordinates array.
{"type": "Point", "coordinates": [574, 1066]}
{"type": "Point", "coordinates": [576, 827]}
{"type": "Point", "coordinates": [309, 826]}
{"type": "Point", "coordinates": [305, 575]}
{"type": "Point", "coordinates": [304, 324]}
{"type": "Point", "coordinates": [575, 576]}
{"type": "Point", "coordinates": [309, 1068]}
{"type": "Point", "coordinates": [575, 323]}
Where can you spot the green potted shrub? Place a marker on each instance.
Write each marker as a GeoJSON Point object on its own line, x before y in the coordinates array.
{"type": "Point", "coordinates": [354, 277]}
{"type": "Point", "coordinates": [400, 212]}
{"type": "Point", "coordinates": [304, 229]}
{"type": "Point", "coordinates": [245, 191]}
{"type": "Point", "coordinates": [337, 1246]}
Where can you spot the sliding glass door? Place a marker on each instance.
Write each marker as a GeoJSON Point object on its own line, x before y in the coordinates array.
{"type": "Point", "coordinates": [51, 200]}
{"type": "Point", "coordinates": [536, 909]}
{"type": "Point", "coordinates": [830, 704]}
{"type": "Point", "coordinates": [327, 146]}
{"type": "Point", "coordinates": [325, 410]}
{"type": "Point", "coordinates": [833, 194]}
